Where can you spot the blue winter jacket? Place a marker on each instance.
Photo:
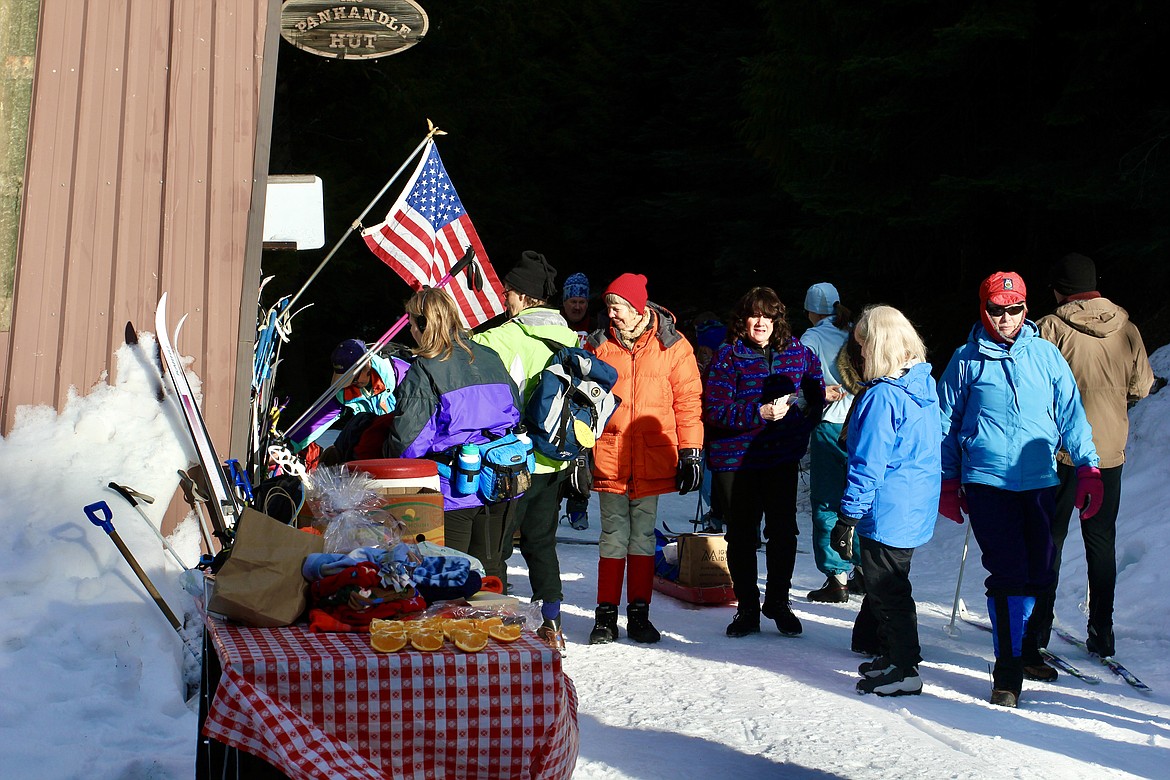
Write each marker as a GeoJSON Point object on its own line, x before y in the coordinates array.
{"type": "Point", "coordinates": [739, 382]}
{"type": "Point", "coordinates": [1007, 409]}
{"type": "Point", "coordinates": [445, 403]}
{"type": "Point", "coordinates": [893, 482]}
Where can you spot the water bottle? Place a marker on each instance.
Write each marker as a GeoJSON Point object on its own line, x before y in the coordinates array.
{"type": "Point", "coordinates": [465, 477]}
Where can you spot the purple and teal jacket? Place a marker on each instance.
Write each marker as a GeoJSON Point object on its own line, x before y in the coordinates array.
{"type": "Point", "coordinates": [441, 404]}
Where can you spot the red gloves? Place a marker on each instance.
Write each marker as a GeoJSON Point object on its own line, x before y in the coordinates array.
{"type": "Point", "coordinates": [952, 500]}
{"type": "Point", "coordinates": [1090, 491]}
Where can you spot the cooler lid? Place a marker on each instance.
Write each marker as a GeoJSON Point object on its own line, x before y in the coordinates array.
{"type": "Point", "coordinates": [396, 468]}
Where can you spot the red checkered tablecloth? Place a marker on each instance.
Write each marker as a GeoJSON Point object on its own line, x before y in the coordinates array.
{"type": "Point", "coordinates": [327, 706]}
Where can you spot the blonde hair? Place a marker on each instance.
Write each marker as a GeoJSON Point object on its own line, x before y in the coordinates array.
{"type": "Point", "coordinates": [888, 341]}
{"type": "Point", "coordinates": [437, 318]}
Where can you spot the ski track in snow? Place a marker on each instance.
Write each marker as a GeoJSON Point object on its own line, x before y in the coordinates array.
{"type": "Point", "coordinates": [94, 676]}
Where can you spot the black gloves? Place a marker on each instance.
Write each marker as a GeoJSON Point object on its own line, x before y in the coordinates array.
{"type": "Point", "coordinates": [690, 470]}
{"type": "Point", "coordinates": [841, 537]}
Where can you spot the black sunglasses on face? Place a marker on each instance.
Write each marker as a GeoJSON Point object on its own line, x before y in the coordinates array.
{"type": "Point", "coordinates": [998, 311]}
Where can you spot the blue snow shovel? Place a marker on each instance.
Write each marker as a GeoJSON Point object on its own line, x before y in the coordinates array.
{"type": "Point", "coordinates": [99, 514]}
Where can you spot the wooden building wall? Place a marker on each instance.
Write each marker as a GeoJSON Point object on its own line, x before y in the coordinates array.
{"type": "Point", "coordinates": [145, 172]}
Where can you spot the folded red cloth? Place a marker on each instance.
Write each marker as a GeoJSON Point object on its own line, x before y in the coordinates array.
{"type": "Point", "coordinates": [347, 619]}
{"type": "Point", "coordinates": [492, 584]}
{"type": "Point", "coordinates": [363, 575]}
{"type": "Point", "coordinates": [320, 620]}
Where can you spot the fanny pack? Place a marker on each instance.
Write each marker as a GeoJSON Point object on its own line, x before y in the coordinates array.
{"type": "Point", "coordinates": [503, 473]}
{"type": "Point", "coordinates": [506, 466]}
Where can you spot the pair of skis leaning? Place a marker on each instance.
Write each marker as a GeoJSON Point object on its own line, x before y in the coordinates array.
{"type": "Point", "coordinates": [1063, 664]}
{"type": "Point", "coordinates": [222, 504]}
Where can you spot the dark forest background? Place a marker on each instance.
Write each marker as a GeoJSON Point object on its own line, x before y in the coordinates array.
{"type": "Point", "coordinates": [901, 149]}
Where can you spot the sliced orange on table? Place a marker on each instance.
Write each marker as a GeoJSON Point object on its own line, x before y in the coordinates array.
{"type": "Point", "coordinates": [427, 640]}
{"type": "Point", "coordinates": [485, 624]}
{"type": "Point", "coordinates": [505, 632]}
{"type": "Point", "coordinates": [388, 642]}
{"type": "Point", "coordinates": [387, 627]}
{"type": "Point", "coordinates": [469, 640]}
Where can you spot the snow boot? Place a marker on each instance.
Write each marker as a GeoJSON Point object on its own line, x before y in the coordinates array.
{"type": "Point", "coordinates": [1100, 641]}
{"type": "Point", "coordinates": [787, 623]}
{"type": "Point", "coordinates": [1002, 698]}
{"type": "Point", "coordinates": [744, 623]}
{"type": "Point", "coordinates": [638, 625]}
{"type": "Point", "coordinates": [605, 628]}
{"type": "Point", "coordinates": [834, 591]}
{"type": "Point", "coordinates": [893, 681]}
{"type": "Point", "coordinates": [1040, 672]}
{"type": "Point", "coordinates": [877, 667]}
{"type": "Point", "coordinates": [857, 582]}
{"type": "Point", "coordinates": [1007, 678]}
{"type": "Point", "coordinates": [550, 633]}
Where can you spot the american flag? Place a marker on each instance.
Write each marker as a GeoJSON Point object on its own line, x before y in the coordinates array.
{"type": "Point", "coordinates": [427, 231]}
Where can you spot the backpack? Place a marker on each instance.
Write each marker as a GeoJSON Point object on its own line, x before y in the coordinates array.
{"type": "Point", "coordinates": [571, 402]}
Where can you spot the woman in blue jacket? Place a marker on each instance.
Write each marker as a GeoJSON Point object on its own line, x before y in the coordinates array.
{"type": "Point", "coordinates": [456, 392]}
{"type": "Point", "coordinates": [1009, 401]}
{"type": "Point", "coordinates": [891, 490]}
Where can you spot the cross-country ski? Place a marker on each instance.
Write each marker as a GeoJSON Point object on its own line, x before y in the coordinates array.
{"type": "Point", "coordinates": [1112, 664]}
{"type": "Point", "coordinates": [1059, 662]}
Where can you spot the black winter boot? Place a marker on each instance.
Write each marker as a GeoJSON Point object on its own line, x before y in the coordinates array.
{"type": "Point", "coordinates": [638, 624]}
{"type": "Point", "coordinates": [787, 623]}
{"type": "Point", "coordinates": [1007, 678]}
{"type": "Point", "coordinates": [605, 628]}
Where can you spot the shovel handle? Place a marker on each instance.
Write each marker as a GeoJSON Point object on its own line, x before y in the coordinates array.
{"type": "Point", "coordinates": [103, 522]}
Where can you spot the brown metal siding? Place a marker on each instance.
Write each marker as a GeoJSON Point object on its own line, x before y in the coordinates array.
{"type": "Point", "coordinates": [140, 179]}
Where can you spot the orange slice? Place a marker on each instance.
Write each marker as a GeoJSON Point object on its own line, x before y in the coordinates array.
{"type": "Point", "coordinates": [426, 640]}
{"type": "Point", "coordinates": [505, 633]}
{"type": "Point", "coordinates": [469, 640]}
{"type": "Point", "coordinates": [487, 623]}
{"type": "Point", "coordinates": [388, 643]}
{"type": "Point", "coordinates": [395, 627]}
{"type": "Point", "coordinates": [455, 624]}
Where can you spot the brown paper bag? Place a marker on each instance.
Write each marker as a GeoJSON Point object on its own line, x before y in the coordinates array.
{"type": "Point", "coordinates": [261, 583]}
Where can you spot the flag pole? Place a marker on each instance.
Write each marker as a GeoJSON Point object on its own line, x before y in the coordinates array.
{"type": "Point", "coordinates": [347, 376]}
{"type": "Point", "coordinates": [432, 131]}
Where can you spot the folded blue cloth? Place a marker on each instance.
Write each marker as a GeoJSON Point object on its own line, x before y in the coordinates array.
{"type": "Point", "coordinates": [442, 571]}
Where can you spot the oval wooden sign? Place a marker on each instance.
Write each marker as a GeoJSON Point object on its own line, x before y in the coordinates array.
{"type": "Point", "coordinates": [353, 29]}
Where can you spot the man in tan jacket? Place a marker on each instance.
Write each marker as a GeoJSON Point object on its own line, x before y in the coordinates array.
{"type": "Point", "coordinates": [1108, 359]}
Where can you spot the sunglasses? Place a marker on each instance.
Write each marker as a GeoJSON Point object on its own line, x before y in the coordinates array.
{"type": "Point", "coordinates": [998, 311]}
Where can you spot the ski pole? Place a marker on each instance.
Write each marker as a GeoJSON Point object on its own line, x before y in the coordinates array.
{"type": "Point", "coordinates": [344, 379]}
{"type": "Point", "coordinates": [951, 630]}
{"type": "Point", "coordinates": [195, 499]}
{"type": "Point", "coordinates": [99, 514]}
{"type": "Point", "coordinates": [133, 496]}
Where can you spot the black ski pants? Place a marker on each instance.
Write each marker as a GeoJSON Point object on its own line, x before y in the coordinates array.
{"type": "Point", "coordinates": [889, 602]}
{"type": "Point", "coordinates": [751, 495]}
{"type": "Point", "coordinates": [1100, 537]}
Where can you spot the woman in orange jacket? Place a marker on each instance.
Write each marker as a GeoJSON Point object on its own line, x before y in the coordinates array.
{"type": "Point", "coordinates": [652, 445]}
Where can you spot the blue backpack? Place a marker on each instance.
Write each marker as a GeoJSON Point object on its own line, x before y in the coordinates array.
{"type": "Point", "coordinates": [573, 393]}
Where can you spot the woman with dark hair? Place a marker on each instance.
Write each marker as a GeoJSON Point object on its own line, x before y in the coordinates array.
{"type": "Point", "coordinates": [763, 397]}
{"type": "Point", "coordinates": [456, 392]}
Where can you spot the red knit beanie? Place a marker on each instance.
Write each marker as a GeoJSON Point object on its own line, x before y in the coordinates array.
{"type": "Point", "coordinates": [631, 288]}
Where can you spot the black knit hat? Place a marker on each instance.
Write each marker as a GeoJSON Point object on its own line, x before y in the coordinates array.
{"type": "Point", "coordinates": [533, 276]}
{"type": "Point", "coordinates": [1073, 274]}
